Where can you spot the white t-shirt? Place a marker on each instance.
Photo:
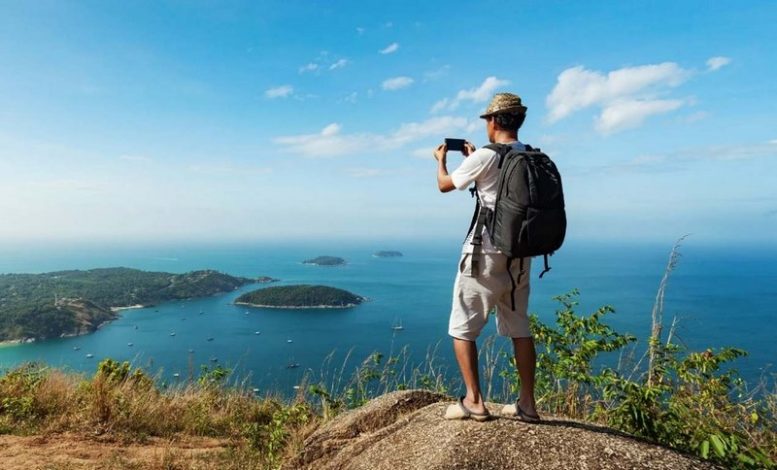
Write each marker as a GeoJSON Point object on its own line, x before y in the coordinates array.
{"type": "Point", "coordinates": [482, 168]}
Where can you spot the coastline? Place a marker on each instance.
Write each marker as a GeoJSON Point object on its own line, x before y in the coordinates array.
{"type": "Point", "coordinates": [129, 307]}
{"type": "Point", "coordinates": [297, 307]}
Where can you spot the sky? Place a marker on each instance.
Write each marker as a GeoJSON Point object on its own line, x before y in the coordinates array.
{"type": "Point", "coordinates": [264, 120]}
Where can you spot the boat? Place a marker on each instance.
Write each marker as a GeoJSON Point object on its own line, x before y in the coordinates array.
{"type": "Point", "coordinates": [130, 344]}
{"type": "Point", "coordinates": [398, 326]}
{"type": "Point", "coordinates": [289, 341]}
{"type": "Point", "coordinates": [172, 334]}
{"type": "Point", "coordinates": [256, 390]}
{"type": "Point", "coordinates": [257, 332]}
{"type": "Point", "coordinates": [176, 375]}
{"type": "Point", "coordinates": [76, 348]}
{"type": "Point", "coordinates": [136, 327]}
{"type": "Point", "coordinates": [89, 356]}
{"type": "Point", "coordinates": [292, 365]}
{"type": "Point", "coordinates": [210, 339]}
{"type": "Point", "coordinates": [191, 351]}
{"type": "Point", "coordinates": [214, 359]}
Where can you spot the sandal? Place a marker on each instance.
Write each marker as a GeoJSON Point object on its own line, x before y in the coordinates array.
{"type": "Point", "coordinates": [459, 411]}
{"type": "Point", "coordinates": [515, 411]}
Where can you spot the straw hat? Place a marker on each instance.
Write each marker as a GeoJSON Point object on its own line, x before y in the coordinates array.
{"type": "Point", "coordinates": [504, 103]}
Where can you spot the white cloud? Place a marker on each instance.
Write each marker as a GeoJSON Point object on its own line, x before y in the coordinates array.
{"type": "Point", "coordinates": [367, 172]}
{"type": "Point", "coordinates": [282, 91]}
{"type": "Point", "coordinates": [229, 169]}
{"type": "Point", "coordinates": [424, 153]}
{"type": "Point", "coordinates": [626, 96]}
{"type": "Point", "coordinates": [397, 83]}
{"type": "Point", "coordinates": [715, 63]}
{"type": "Point", "coordinates": [626, 114]}
{"type": "Point", "coordinates": [331, 142]}
{"type": "Point", "coordinates": [339, 64]}
{"type": "Point", "coordinates": [351, 98]}
{"type": "Point", "coordinates": [478, 94]}
{"type": "Point", "coordinates": [331, 130]}
{"type": "Point", "coordinates": [390, 49]}
{"type": "Point", "coordinates": [135, 158]}
{"type": "Point", "coordinates": [309, 67]}
{"type": "Point", "coordinates": [437, 73]}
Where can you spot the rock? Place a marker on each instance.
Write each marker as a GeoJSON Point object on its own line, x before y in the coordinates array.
{"type": "Point", "coordinates": [405, 430]}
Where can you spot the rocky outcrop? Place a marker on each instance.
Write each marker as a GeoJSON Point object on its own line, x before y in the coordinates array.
{"type": "Point", "coordinates": [405, 430]}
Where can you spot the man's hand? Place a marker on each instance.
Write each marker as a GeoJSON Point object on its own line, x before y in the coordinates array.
{"type": "Point", "coordinates": [441, 153]}
{"type": "Point", "coordinates": [468, 149]}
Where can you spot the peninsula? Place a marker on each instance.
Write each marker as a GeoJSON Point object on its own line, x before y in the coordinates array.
{"type": "Point", "coordinates": [70, 303]}
{"type": "Point", "coordinates": [300, 296]}
{"type": "Point", "coordinates": [325, 261]}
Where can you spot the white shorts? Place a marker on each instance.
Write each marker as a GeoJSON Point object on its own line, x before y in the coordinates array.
{"type": "Point", "coordinates": [475, 296]}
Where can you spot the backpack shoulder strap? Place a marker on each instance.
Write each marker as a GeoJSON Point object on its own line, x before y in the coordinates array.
{"type": "Point", "coordinates": [501, 149]}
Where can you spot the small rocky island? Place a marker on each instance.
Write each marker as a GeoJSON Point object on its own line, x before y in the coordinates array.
{"type": "Point", "coordinates": [325, 261]}
{"type": "Point", "coordinates": [300, 296]}
{"type": "Point", "coordinates": [388, 254]}
{"type": "Point", "coordinates": [75, 302]}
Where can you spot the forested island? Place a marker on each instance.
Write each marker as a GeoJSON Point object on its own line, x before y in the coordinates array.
{"type": "Point", "coordinates": [300, 296]}
{"type": "Point", "coordinates": [325, 261]}
{"type": "Point", "coordinates": [388, 254]}
{"type": "Point", "coordinates": [69, 303]}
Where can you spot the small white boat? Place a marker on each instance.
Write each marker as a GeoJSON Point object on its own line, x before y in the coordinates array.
{"type": "Point", "coordinates": [292, 365]}
{"type": "Point", "coordinates": [256, 390]}
{"type": "Point", "coordinates": [76, 348]}
{"type": "Point", "coordinates": [176, 375]}
{"type": "Point", "coordinates": [89, 356]}
{"type": "Point", "coordinates": [257, 332]}
{"type": "Point", "coordinates": [289, 341]}
{"type": "Point", "coordinates": [191, 351]}
{"type": "Point", "coordinates": [130, 344]}
{"type": "Point", "coordinates": [398, 326]}
{"type": "Point", "coordinates": [172, 334]}
{"type": "Point", "coordinates": [296, 387]}
{"type": "Point", "coordinates": [214, 359]}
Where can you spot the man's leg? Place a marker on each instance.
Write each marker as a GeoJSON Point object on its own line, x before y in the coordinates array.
{"type": "Point", "coordinates": [467, 357]}
{"type": "Point", "coordinates": [526, 360]}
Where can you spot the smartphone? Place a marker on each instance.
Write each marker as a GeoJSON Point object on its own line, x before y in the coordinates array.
{"type": "Point", "coordinates": [456, 145]}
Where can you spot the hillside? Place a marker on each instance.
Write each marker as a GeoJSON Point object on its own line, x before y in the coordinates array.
{"type": "Point", "coordinates": [300, 296]}
{"type": "Point", "coordinates": [62, 303]}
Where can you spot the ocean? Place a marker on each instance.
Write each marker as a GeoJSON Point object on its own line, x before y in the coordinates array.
{"type": "Point", "coordinates": [722, 297]}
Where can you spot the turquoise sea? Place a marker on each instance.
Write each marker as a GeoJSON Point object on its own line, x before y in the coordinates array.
{"type": "Point", "coordinates": [723, 297]}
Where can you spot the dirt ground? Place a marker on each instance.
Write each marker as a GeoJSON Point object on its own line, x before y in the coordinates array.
{"type": "Point", "coordinates": [69, 451]}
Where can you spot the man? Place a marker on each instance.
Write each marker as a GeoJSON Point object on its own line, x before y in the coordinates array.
{"type": "Point", "coordinates": [489, 287]}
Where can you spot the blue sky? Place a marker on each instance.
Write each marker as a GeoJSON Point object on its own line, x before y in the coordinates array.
{"type": "Point", "coordinates": [204, 120]}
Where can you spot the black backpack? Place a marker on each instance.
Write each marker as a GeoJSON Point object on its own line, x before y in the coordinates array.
{"type": "Point", "coordinates": [529, 217]}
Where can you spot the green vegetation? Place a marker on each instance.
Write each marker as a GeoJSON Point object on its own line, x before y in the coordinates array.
{"type": "Point", "coordinates": [50, 305]}
{"type": "Point", "coordinates": [325, 261]}
{"type": "Point", "coordinates": [388, 254]}
{"type": "Point", "coordinates": [300, 296]}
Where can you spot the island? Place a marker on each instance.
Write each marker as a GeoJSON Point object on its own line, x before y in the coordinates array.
{"type": "Point", "coordinates": [387, 254]}
{"type": "Point", "coordinates": [325, 261]}
{"type": "Point", "coordinates": [76, 302]}
{"type": "Point", "coordinates": [300, 296]}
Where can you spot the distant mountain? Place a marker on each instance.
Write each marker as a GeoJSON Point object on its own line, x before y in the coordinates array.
{"type": "Point", "coordinates": [67, 303]}
{"type": "Point", "coordinates": [325, 261]}
{"type": "Point", "coordinates": [388, 254]}
{"type": "Point", "coordinates": [300, 296]}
